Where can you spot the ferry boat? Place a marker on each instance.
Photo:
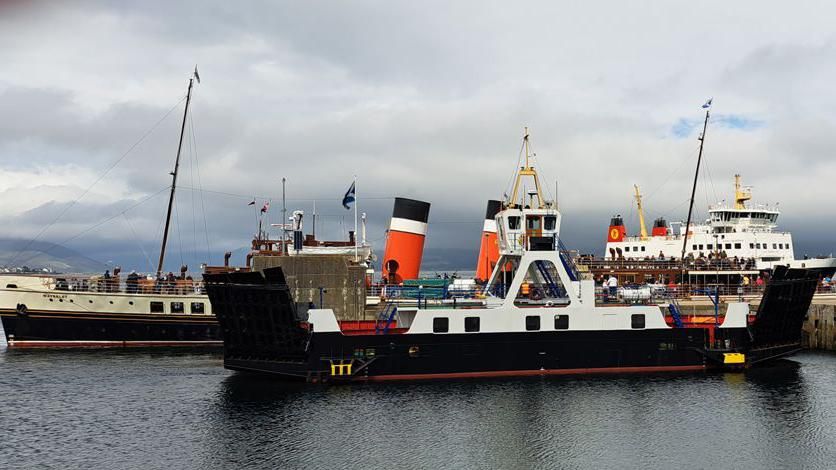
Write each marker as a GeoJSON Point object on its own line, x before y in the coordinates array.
{"type": "Point", "coordinates": [536, 316]}
{"type": "Point", "coordinates": [738, 231]}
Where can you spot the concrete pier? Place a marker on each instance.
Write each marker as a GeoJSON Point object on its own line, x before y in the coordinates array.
{"type": "Point", "coordinates": [819, 330]}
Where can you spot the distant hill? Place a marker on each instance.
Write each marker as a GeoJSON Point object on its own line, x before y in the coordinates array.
{"type": "Point", "coordinates": [40, 255]}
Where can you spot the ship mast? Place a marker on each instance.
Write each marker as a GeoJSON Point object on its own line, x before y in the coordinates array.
{"type": "Point", "coordinates": [174, 173]}
{"type": "Point", "coordinates": [694, 188]}
{"type": "Point", "coordinates": [642, 227]}
{"type": "Point", "coordinates": [526, 170]}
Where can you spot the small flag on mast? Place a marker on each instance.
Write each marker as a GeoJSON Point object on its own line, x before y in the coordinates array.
{"type": "Point", "coordinates": [707, 103]}
{"type": "Point", "coordinates": [265, 207]}
{"type": "Point", "coordinates": [349, 197]}
{"type": "Point", "coordinates": [251, 203]}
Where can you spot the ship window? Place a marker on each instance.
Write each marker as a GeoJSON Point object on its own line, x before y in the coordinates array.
{"type": "Point", "coordinates": [542, 287]}
{"type": "Point", "coordinates": [751, 245]}
{"type": "Point", "coordinates": [561, 322]}
{"type": "Point", "coordinates": [177, 307]}
{"type": "Point", "coordinates": [700, 246]}
{"type": "Point", "coordinates": [728, 246]}
{"type": "Point", "coordinates": [637, 321]}
{"type": "Point", "coordinates": [441, 325]}
{"type": "Point", "coordinates": [514, 222]}
{"type": "Point", "coordinates": [709, 247]}
{"type": "Point", "coordinates": [758, 245]}
{"type": "Point", "coordinates": [694, 247]}
{"type": "Point", "coordinates": [626, 248]}
{"type": "Point", "coordinates": [774, 246]}
{"type": "Point", "coordinates": [737, 246]}
{"type": "Point", "coordinates": [197, 307]}
{"type": "Point", "coordinates": [532, 223]}
{"type": "Point", "coordinates": [11, 286]}
{"type": "Point", "coordinates": [532, 323]}
{"type": "Point", "coordinates": [471, 324]}
{"type": "Point", "coordinates": [157, 307]}
{"type": "Point", "coordinates": [643, 247]}
{"type": "Point", "coordinates": [549, 222]}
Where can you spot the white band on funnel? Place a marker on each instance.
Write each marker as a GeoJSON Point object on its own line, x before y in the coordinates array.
{"type": "Point", "coordinates": [408, 226]}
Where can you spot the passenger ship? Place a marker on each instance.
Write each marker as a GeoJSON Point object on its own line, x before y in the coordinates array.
{"type": "Point", "coordinates": [742, 231]}
{"type": "Point", "coordinates": [537, 316]}
{"type": "Point", "coordinates": [83, 311]}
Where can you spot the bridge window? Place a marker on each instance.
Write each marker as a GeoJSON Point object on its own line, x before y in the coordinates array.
{"type": "Point", "coordinates": [532, 323]}
{"type": "Point", "coordinates": [514, 222]}
{"type": "Point", "coordinates": [441, 325]}
{"type": "Point", "coordinates": [541, 287]}
{"type": "Point", "coordinates": [471, 324]}
{"type": "Point", "coordinates": [637, 321]}
{"type": "Point", "coordinates": [549, 222]}
{"type": "Point", "coordinates": [157, 307]}
{"type": "Point", "coordinates": [561, 322]}
{"type": "Point", "coordinates": [532, 223]}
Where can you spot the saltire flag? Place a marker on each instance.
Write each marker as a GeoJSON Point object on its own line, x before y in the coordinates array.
{"type": "Point", "coordinates": [265, 207]}
{"type": "Point", "coordinates": [349, 197]}
{"type": "Point", "coordinates": [707, 103]}
{"type": "Point", "coordinates": [252, 203]}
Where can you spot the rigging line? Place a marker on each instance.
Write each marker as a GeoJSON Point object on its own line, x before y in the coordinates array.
{"type": "Point", "coordinates": [138, 242]}
{"type": "Point", "coordinates": [200, 186]}
{"type": "Point", "coordinates": [669, 178]}
{"type": "Point", "coordinates": [191, 193]}
{"type": "Point", "coordinates": [68, 207]}
{"type": "Point", "coordinates": [88, 229]}
{"type": "Point", "coordinates": [266, 197]}
{"type": "Point", "coordinates": [516, 169]}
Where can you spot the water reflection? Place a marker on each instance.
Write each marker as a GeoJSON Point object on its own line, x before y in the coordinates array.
{"type": "Point", "coordinates": [108, 408]}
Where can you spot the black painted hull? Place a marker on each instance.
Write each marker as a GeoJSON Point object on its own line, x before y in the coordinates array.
{"type": "Point", "coordinates": [429, 356]}
{"type": "Point", "coordinates": [68, 329]}
{"type": "Point", "coordinates": [264, 332]}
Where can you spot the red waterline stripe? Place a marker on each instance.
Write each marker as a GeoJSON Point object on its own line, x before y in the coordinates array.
{"type": "Point", "coordinates": [532, 373]}
{"type": "Point", "coordinates": [106, 344]}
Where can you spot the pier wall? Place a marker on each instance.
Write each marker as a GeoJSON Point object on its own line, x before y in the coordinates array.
{"type": "Point", "coordinates": [819, 329]}
{"type": "Point", "coordinates": [328, 281]}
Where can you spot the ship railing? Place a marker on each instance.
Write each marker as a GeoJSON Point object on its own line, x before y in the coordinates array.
{"type": "Point", "coordinates": [650, 263]}
{"type": "Point", "coordinates": [124, 285]}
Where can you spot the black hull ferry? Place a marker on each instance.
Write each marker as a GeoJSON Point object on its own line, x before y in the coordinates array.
{"type": "Point", "coordinates": [265, 331]}
{"type": "Point", "coordinates": [537, 316]}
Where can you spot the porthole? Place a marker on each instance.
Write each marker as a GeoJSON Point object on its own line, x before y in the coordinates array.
{"type": "Point", "coordinates": [111, 302]}
{"type": "Point", "coordinates": [130, 302]}
{"type": "Point", "coordinates": [90, 301]}
{"type": "Point", "coordinates": [51, 300]}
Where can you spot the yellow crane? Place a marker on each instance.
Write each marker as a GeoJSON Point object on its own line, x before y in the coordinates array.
{"type": "Point", "coordinates": [641, 213]}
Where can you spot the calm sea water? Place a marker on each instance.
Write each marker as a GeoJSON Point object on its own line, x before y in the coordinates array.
{"type": "Point", "coordinates": [180, 409]}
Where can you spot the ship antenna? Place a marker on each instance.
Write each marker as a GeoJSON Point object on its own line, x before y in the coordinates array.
{"type": "Point", "coordinates": [526, 170]}
{"type": "Point", "coordinates": [707, 107]}
{"type": "Point", "coordinates": [194, 77]}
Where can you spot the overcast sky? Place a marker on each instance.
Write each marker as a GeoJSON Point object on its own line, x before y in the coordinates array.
{"type": "Point", "coordinates": [418, 99]}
